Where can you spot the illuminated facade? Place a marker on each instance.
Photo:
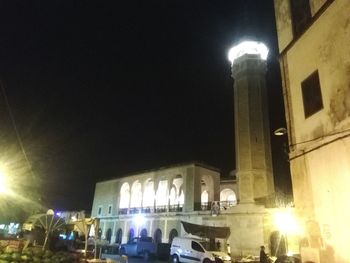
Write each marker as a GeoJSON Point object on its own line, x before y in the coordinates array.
{"type": "Point", "coordinates": [164, 197]}
{"type": "Point", "coordinates": [155, 202]}
{"type": "Point", "coordinates": [313, 38]}
{"type": "Point", "coordinates": [252, 136]}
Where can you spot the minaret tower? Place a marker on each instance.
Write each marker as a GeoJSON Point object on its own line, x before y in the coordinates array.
{"type": "Point", "coordinates": [252, 136]}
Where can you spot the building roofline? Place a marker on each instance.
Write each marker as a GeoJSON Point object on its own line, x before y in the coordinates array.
{"type": "Point", "coordinates": [195, 163]}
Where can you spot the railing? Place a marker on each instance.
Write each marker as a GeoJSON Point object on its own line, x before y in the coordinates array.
{"type": "Point", "coordinates": [123, 211]}
{"type": "Point", "coordinates": [227, 204]}
{"type": "Point", "coordinates": [175, 208]}
{"type": "Point", "coordinates": [205, 206]}
{"type": "Point", "coordinates": [149, 209]}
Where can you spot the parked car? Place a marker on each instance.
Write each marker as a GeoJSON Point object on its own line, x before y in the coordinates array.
{"type": "Point", "coordinates": [189, 250]}
{"type": "Point", "coordinates": [139, 246]}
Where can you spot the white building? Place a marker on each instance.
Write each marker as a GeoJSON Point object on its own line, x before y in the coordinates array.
{"type": "Point", "coordinates": [164, 197]}
{"type": "Point", "coordinates": [313, 38]}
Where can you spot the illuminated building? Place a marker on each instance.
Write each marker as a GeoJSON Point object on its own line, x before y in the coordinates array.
{"type": "Point", "coordinates": [313, 39]}
{"type": "Point", "coordinates": [252, 136]}
{"type": "Point", "coordinates": [155, 202]}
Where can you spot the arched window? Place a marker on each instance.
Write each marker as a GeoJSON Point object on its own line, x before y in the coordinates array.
{"type": "Point", "coordinates": [143, 233]}
{"type": "Point", "coordinates": [119, 236]}
{"type": "Point", "coordinates": [158, 236]}
{"type": "Point", "coordinates": [99, 233]}
{"type": "Point", "coordinates": [228, 197]}
{"type": "Point", "coordinates": [181, 198]}
{"type": "Point", "coordinates": [162, 191]}
{"type": "Point", "coordinates": [124, 196]}
{"type": "Point", "coordinates": [148, 194]}
{"type": "Point", "coordinates": [205, 200]}
{"type": "Point", "coordinates": [109, 235]}
{"type": "Point", "coordinates": [131, 234]}
{"type": "Point", "coordinates": [136, 195]}
{"type": "Point", "coordinates": [207, 185]}
{"type": "Point", "coordinates": [172, 196]}
{"type": "Point", "coordinates": [173, 233]}
{"type": "Point", "coordinates": [205, 197]}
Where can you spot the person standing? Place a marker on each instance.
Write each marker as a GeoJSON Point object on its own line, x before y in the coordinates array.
{"type": "Point", "coordinates": [263, 256]}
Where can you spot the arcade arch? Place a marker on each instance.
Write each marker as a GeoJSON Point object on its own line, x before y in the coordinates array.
{"type": "Point", "coordinates": [158, 236]}
{"type": "Point", "coordinates": [124, 196]}
{"type": "Point", "coordinates": [228, 197]}
{"type": "Point", "coordinates": [207, 186]}
{"type": "Point", "coordinates": [162, 193]}
{"type": "Point", "coordinates": [148, 193]}
{"type": "Point", "coordinates": [136, 195]}
{"type": "Point", "coordinates": [119, 236]}
{"type": "Point", "coordinates": [173, 233]}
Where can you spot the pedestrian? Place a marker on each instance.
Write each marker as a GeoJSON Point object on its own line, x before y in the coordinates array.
{"type": "Point", "coordinates": [218, 245]}
{"type": "Point", "coordinates": [263, 255]}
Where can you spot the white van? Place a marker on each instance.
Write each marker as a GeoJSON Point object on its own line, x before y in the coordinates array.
{"type": "Point", "coordinates": [190, 250]}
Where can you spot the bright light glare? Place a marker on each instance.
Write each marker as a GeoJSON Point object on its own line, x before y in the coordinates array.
{"type": "Point", "coordinates": [139, 219]}
{"type": "Point", "coordinates": [4, 183]}
{"type": "Point", "coordinates": [289, 253]}
{"type": "Point", "coordinates": [286, 222]}
{"type": "Point", "coordinates": [92, 231]}
{"type": "Point", "coordinates": [248, 47]}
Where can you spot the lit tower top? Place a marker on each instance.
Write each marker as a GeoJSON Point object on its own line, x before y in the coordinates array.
{"type": "Point", "coordinates": [248, 47]}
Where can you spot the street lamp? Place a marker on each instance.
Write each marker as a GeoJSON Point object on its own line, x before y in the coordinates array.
{"type": "Point", "coordinates": [280, 131]}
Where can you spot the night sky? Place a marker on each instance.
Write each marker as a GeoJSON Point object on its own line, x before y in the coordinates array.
{"type": "Point", "coordinates": [99, 89]}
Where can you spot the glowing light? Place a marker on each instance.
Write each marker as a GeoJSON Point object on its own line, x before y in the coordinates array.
{"type": "Point", "coordinates": [289, 253]}
{"type": "Point", "coordinates": [50, 212]}
{"type": "Point", "coordinates": [286, 222]}
{"type": "Point", "coordinates": [248, 47]}
{"type": "Point", "coordinates": [205, 197]}
{"type": "Point", "coordinates": [139, 219]}
{"type": "Point", "coordinates": [280, 131]}
{"type": "Point", "coordinates": [92, 231]}
{"type": "Point", "coordinates": [4, 182]}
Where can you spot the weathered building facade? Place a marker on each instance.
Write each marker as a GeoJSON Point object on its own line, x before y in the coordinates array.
{"type": "Point", "coordinates": [313, 38]}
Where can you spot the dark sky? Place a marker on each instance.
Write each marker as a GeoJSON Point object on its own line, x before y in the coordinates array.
{"type": "Point", "coordinates": [103, 88]}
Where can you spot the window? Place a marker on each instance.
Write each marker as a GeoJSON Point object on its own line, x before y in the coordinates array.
{"type": "Point", "coordinates": [197, 247]}
{"type": "Point", "coordinates": [99, 210]}
{"type": "Point", "coordinates": [110, 209]}
{"type": "Point", "coordinates": [301, 15]}
{"type": "Point", "coordinates": [312, 97]}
